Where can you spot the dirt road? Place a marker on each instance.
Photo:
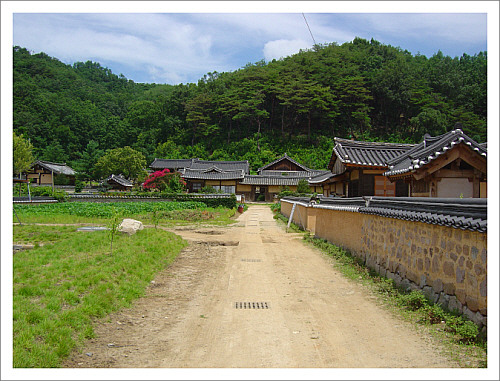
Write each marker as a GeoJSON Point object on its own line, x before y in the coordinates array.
{"type": "Point", "coordinates": [253, 296]}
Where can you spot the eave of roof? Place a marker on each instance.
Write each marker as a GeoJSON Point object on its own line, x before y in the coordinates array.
{"type": "Point", "coordinates": [59, 168]}
{"type": "Point", "coordinates": [120, 180]}
{"type": "Point", "coordinates": [193, 174]}
{"type": "Point", "coordinates": [270, 180]}
{"type": "Point", "coordinates": [368, 154]}
{"type": "Point", "coordinates": [429, 150]}
{"type": "Point", "coordinates": [465, 214]}
{"type": "Point", "coordinates": [171, 163]}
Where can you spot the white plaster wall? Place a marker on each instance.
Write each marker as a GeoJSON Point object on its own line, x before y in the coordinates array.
{"type": "Point", "coordinates": [451, 187]}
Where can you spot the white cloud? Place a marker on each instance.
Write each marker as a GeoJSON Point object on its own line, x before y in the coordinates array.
{"type": "Point", "coordinates": [283, 48]}
{"type": "Point", "coordinates": [188, 45]}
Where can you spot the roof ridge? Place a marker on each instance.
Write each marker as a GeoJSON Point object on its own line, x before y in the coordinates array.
{"type": "Point", "coordinates": [50, 162]}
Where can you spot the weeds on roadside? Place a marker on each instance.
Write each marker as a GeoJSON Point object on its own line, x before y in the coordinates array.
{"type": "Point", "coordinates": [58, 289]}
{"type": "Point", "coordinates": [113, 225]}
{"type": "Point", "coordinates": [415, 302]}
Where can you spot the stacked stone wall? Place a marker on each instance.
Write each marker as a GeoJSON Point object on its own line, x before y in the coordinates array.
{"type": "Point", "coordinates": [449, 265]}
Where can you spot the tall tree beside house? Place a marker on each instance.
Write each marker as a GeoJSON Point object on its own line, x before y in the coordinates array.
{"type": "Point", "coordinates": [126, 161]}
{"type": "Point", "coordinates": [303, 186]}
{"type": "Point", "coordinates": [22, 154]}
{"type": "Point", "coordinates": [85, 165]}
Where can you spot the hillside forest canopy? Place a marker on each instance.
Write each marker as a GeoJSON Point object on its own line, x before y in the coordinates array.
{"type": "Point", "coordinates": [361, 89]}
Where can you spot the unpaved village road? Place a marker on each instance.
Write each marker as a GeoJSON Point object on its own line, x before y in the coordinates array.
{"type": "Point", "coordinates": [314, 318]}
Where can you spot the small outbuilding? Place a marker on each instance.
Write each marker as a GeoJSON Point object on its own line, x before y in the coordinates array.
{"type": "Point", "coordinates": [119, 183]}
{"type": "Point", "coordinates": [49, 173]}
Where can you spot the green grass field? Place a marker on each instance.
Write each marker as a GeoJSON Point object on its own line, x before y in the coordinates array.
{"type": "Point", "coordinates": [70, 278]}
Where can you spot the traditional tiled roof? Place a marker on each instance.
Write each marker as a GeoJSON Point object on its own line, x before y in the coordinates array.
{"type": "Point", "coordinates": [223, 165]}
{"type": "Point", "coordinates": [373, 154]}
{"type": "Point", "coordinates": [212, 173]}
{"type": "Point", "coordinates": [310, 173]}
{"type": "Point", "coordinates": [285, 156]}
{"type": "Point", "coordinates": [200, 164]}
{"type": "Point", "coordinates": [171, 163]}
{"type": "Point", "coordinates": [351, 204]}
{"type": "Point", "coordinates": [270, 180]}
{"type": "Point", "coordinates": [59, 168]}
{"type": "Point", "coordinates": [465, 214]}
{"type": "Point", "coordinates": [321, 177]}
{"type": "Point", "coordinates": [430, 149]}
{"type": "Point", "coordinates": [119, 179]}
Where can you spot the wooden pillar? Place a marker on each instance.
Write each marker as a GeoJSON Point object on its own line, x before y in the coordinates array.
{"type": "Point", "coordinates": [475, 184]}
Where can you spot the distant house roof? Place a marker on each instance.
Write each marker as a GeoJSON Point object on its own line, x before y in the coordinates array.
{"type": "Point", "coordinates": [223, 165]}
{"type": "Point", "coordinates": [171, 163]}
{"type": "Point", "coordinates": [200, 164]}
{"type": "Point", "coordinates": [430, 149]}
{"type": "Point", "coordinates": [59, 168]}
{"type": "Point", "coordinates": [119, 179]}
{"type": "Point", "coordinates": [271, 180]}
{"type": "Point", "coordinates": [212, 173]}
{"type": "Point", "coordinates": [372, 154]}
{"type": "Point", "coordinates": [284, 157]}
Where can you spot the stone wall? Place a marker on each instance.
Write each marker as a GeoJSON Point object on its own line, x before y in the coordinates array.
{"type": "Point", "coordinates": [448, 264]}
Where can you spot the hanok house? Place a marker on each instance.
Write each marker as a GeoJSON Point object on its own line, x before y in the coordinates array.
{"type": "Point", "coordinates": [451, 165]}
{"type": "Point", "coordinates": [357, 169]}
{"type": "Point", "coordinates": [272, 178]}
{"type": "Point", "coordinates": [47, 173]}
{"type": "Point", "coordinates": [220, 175]}
{"type": "Point", "coordinates": [119, 183]}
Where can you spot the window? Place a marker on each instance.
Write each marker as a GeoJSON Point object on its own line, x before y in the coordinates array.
{"type": "Point", "coordinates": [228, 188]}
{"type": "Point", "coordinates": [196, 187]}
{"type": "Point", "coordinates": [384, 187]}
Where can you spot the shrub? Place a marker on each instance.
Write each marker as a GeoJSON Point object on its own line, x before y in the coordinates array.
{"type": "Point", "coordinates": [276, 208]}
{"type": "Point", "coordinates": [78, 186]}
{"type": "Point", "coordinates": [414, 300]}
{"type": "Point", "coordinates": [303, 186]}
{"type": "Point", "coordinates": [434, 314]}
{"type": "Point", "coordinates": [165, 181]}
{"type": "Point", "coordinates": [467, 331]}
{"type": "Point", "coordinates": [210, 190]}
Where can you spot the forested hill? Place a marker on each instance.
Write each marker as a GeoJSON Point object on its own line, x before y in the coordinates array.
{"type": "Point", "coordinates": [297, 105]}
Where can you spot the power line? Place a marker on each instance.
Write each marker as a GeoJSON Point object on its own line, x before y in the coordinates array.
{"type": "Point", "coordinates": [309, 29]}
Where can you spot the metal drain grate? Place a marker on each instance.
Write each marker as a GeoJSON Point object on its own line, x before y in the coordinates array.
{"type": "Point", "coordinates": [251, 260]}
{"type": "Point", "coordinates": [251, 305]}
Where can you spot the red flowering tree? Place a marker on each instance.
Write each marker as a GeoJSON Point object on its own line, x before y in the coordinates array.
{"type": "Point", "coordinates": [164, 181]}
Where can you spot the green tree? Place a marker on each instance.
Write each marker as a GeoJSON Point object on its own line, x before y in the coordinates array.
{"type": "Point", "coordinates": [303, 186]}
{"type": "Point", "coordinates": [22, 152]}
{"type": "Point", "coordinates": [85, 166]}
{"type": "Point", "coordinates": [126, 161]}
{"type": "Point", "coordinates": [54, 152]}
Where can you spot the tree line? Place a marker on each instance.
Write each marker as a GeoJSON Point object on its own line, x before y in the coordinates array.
{"type": "Point", "coordinates": [361, 89]}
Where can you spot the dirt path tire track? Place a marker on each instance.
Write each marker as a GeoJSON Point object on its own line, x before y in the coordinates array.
{"type": "Point", "coordinates": [316, 318]}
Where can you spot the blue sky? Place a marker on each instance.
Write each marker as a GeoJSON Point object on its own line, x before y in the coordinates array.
{"type": "Point", "coordinates": [165, 42]}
